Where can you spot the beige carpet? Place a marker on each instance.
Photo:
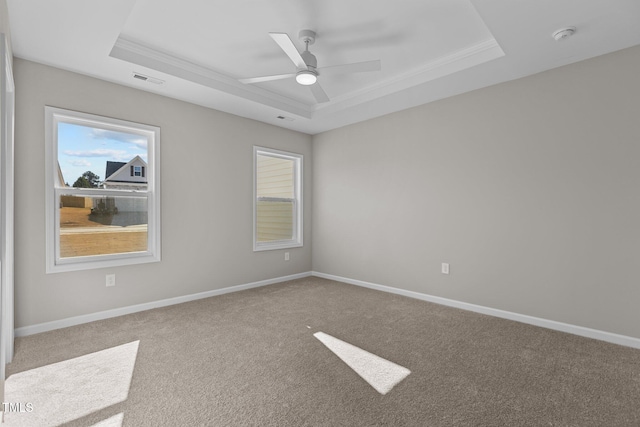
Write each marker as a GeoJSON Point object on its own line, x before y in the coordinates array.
{"type": "Point", "coordinates": [251, 359]}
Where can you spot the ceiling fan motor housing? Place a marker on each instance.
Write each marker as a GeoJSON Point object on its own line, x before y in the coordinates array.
{"type": "Point", "coordinates": [309, 59]}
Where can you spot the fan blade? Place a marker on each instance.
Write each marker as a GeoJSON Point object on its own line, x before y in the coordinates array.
{"type": "Point", "coordinates": [319, 93]}
{"type": "Point", "coordinates": [266, 78]}
{"type": "Point", "coordinates": [289, 48]}
{"type": "Point", "coordinates": [357, 67]}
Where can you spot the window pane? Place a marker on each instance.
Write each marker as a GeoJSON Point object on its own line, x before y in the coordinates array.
{"type": "Point", "coordinates": [275, 177]}
{"type": "Point", "coordinates": [274, 220]}
{"type": "Point", "coordinates": [275, 193]}
{"type": "Point", "coordinates": [90, 157]}
{"type": "Point", "coordinates": [100, 225]}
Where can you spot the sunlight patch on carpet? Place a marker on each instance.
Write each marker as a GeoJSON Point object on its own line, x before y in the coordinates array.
{"type": "Point", "coordinates": [115, 421]}
{"type": "Point", "coordinates": [380, 373]}
{"type": "Point", "coordinates": [71, 389]}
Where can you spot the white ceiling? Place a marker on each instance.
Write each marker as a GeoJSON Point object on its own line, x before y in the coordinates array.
{"type": "Point", "coordinates": [429, 49]}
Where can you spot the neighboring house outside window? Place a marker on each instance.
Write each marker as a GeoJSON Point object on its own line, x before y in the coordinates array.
{"type": "Point", "coordinates": [277, 199]}
{"type": "Point", "coordinates": [126, 175]}
{"type": "Point", "coordinates": [101, 223]}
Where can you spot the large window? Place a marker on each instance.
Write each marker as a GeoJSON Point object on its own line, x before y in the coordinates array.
{"type": "Point", "coordinates": [103, 195]}
{"type": "Point", "coordinates": [277, 207]}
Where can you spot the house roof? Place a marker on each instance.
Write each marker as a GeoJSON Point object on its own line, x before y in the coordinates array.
{"type": "Point", "coordinates": [113, 167]}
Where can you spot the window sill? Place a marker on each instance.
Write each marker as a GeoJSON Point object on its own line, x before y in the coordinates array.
{"type": "Point", "coordinates": [75, 264]}
{"type": "Point", "coordinates": [259, 247]}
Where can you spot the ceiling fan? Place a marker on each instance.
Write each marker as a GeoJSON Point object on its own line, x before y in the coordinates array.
{"type": "Point", "coordinates": [307, 65]}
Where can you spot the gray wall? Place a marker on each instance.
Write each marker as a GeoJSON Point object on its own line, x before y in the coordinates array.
{"type": "Point", "coordinates": [529, 189]}
{"type": "Point", "coordinates": [206, 173]}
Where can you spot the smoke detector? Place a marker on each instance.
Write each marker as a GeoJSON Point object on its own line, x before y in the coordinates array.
{"type": "Point", "coordinates": [563, 33]}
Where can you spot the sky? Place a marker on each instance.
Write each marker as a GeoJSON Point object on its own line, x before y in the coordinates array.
{"type": "Point", "coordinates": [82, 148]}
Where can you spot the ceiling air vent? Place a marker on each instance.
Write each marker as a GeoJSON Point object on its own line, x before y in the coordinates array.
{"type": "Point", "coordinates": [147, 79]}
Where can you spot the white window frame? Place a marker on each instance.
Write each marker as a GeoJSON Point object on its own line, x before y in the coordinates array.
{"type": "Point", "coordinates": [297, 240]}
{"type": "Point", "coordinates": [137, 171]}
{"type": "Point", "coordinates": [54, 189]}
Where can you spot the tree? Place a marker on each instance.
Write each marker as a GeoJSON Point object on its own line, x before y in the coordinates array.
{"type": "Point", "coordinates": [87, 180]}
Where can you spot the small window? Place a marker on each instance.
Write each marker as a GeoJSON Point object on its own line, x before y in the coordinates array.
{"type": "Point", "coordinates": [102, 211]}
{"type": "Point", "coordinates": [277, 207]}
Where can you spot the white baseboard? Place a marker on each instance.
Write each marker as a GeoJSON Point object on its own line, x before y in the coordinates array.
{"type": "Point", "coordinates": [523, 318]}
{"type": "Point", "coordinates": [77, 320]}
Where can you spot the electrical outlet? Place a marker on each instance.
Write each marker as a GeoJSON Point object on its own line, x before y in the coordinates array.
{"type": "Point", "coordinates": [445, 268]}
{"type": "Point", "coordinates": [286, 256]}
{"type": "Point", "coordinates": [111, 279]}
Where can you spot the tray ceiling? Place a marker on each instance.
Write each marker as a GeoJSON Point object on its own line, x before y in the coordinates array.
{"type": "Point", "coordinates": [196, 50]}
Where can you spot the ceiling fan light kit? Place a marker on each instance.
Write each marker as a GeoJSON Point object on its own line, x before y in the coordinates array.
{"type": "Point", "coordinates": [307, 65]}
{"type": "Point", "coordinates": [306, 77]}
